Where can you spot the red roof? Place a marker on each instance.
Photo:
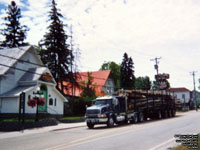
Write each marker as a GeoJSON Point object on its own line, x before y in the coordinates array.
{"type": "Point", "coordinates": [182, 89]}
{"type": "Point", "coordinates": [99, 80]}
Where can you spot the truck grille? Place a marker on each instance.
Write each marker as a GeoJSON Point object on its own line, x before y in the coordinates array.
{"type": "Point", "coordinates": [94, 111]}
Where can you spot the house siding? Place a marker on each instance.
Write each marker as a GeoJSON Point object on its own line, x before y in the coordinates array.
{"type": "Point", "coordinates": [9, 105]}
{"type": "Point", "coordinates": [179, 95]}
{"type": "Point", "coordinates": [108, 88]}
{"type": "Point", "coordinates": [11, 78]}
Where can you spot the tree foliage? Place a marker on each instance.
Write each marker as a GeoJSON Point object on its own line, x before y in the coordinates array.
{"type": "Point", "coordinates": [157, 85]}
{"type": "Point", "coordinates": [14, 33]}
{"type": "Point", "coordinates": [115, 71]}
{"type": "Point", "coordinates": [143, 83]}
{"type": "Point", "coordinates": [88, 88]}
{"type": "Point", "coordinates": [127, 78]}
{"type": "Point", "coordinates": [55, 52]}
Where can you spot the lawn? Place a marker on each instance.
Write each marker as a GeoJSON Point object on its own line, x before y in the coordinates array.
{"type": "Point", "coordinates": [72, 118]}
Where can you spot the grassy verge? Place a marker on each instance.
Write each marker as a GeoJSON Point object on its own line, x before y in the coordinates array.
{"type": "Point", "coordinates": [72, 118]}
{"type": "Point", "coordinates": [16, 120]}
{"type": "Point", "coordinates": [180, 147]}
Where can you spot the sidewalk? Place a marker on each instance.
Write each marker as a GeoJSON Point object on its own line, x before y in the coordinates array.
{"type": "Point", "coordinates": [60, 126]}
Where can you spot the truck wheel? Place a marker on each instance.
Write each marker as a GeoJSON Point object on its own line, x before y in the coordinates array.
{"type": "Point", "coordinates": [169, 113]}
{"type": "Point", "coordinates": [90, 125]}
{"type": "Point", "coordinates": [110, 122]}
{"type": "Point", "coordinates": [159, 115]}
{"type": "Point", "coordinates": [134, 119]}
{"type": "Point", "coordinates": [141, 117]}
{"type": "Point", "coordinates": [164, 114]}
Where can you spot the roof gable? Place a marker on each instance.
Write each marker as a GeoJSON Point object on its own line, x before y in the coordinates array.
{"type": "Point", "coordinates": [10, 56]}
{"type": "Point", "coordinates": [181, 89]}
{"type": "Point", "coordinates": [99, 80]}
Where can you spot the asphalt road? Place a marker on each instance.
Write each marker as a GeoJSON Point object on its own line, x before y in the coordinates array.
{"type": "Point", "coordinates": [150, 135]}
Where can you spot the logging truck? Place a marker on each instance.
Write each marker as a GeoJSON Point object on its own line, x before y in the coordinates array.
{"type": "Point", "coordinates": [130, 106]}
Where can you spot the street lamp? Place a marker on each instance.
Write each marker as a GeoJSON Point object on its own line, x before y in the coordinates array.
{"type": "Point", "coordinates": [36, 97]}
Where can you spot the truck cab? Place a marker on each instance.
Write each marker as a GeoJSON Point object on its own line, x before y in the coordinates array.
{"type": "Point", "coordinates": [106, 110]}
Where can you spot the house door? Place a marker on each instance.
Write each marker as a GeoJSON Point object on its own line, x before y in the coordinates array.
{"type": "Point", "coordinates": [44, 90]}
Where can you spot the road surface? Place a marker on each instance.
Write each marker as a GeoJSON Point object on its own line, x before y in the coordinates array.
{"type": "Point", "coordinates": [150, 135]}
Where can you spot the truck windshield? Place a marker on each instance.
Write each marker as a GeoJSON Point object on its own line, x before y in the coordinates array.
{"type": "Point", "coordinates": [103, 102]}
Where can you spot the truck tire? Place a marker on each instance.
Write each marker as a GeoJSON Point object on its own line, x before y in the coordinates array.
{"type": "Point", "coordinates": [110, 122]}
{"type": "Point", "coordinates": [141, 117]}
{"type": "Point", "coordinates": [164, 114]}
{"type": "Point", "coordinates": [134, 119]}
{"type": "Point", "coordinates": [169, 113]}
{"type": "Point", "coordinates": [158, 115]}
{"type": "Point", "coordinates": [90, 125]}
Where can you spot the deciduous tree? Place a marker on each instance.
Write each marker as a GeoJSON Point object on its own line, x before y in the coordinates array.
{"type": "Point", "coordinates": [115, 71]}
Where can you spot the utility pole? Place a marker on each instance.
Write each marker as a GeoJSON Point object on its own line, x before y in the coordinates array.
{"type": "Point", "coordinates": [71, 44]}
{"type": "Point", "coordinates": [156, 63]}
{"type": "Point", "coordinates": [193, 74]}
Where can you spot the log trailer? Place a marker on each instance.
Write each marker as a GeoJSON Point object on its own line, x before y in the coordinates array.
{"type": "Point", "coordinates": [130, 106]}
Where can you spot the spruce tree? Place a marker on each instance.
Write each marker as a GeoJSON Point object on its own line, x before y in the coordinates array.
{"type": "Point", "coordinates": [14, 33]}
{"type": "Point", "coordinates": [127, 78]}
{"type": "Point", "coordinates": [55, 52]}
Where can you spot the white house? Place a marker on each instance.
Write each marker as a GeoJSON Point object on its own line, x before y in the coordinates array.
{"type": "Point", "coordinates": [21, 70]}
{"type": "Point", "coordinates": [183, 94]}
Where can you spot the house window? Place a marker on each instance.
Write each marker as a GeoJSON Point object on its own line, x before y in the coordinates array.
{"type": "Point", "coordinates": [183, 96]}
{"type": "Point", "coordinates": [55, 102]}
{"type": "Point", "coordinates": [50, 101]}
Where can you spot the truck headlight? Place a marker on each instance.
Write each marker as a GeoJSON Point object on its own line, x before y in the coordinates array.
{"type": "Point", "coordinates": [103, 115]}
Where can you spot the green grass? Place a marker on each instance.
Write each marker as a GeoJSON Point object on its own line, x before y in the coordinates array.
{"type": "Point", "coordinates": [72, 118]}
{"type": "Point", "coordinates": [180, 147]}
{"type": "Point", "coordinates": [16, 120]}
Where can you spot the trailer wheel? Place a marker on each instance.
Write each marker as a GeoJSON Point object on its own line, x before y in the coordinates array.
{"type": "Point", "coordinates": [173, 112]}
{"type": "Point", "coordinates": [159, 115]}
{"type": "Point", "coordinates": [170, 113]}
{"type": "Point", "coordinates": [141, 117]}
{"type": "Point", "coordinates": [164, 114]}
{"type": "Point", "coordinates": [110, 122]}
{"type": "Point", "coordinates": [90, 125]}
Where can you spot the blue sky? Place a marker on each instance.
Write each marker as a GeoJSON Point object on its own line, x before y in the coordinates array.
{"type": "Point", "coordinates": [145, 29]}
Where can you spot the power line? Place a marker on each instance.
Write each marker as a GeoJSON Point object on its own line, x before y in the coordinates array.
{"type": "Point", "coordinates": [20, 60]}
{"type": "Point", "coordinates": [48, 76]}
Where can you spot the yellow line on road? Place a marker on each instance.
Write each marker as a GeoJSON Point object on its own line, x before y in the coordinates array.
{"type": "Point", "coordinates": [60, 147]}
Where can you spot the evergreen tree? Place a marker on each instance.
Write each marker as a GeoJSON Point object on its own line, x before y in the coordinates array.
{"type": "Point", "coordinates": [14, 33]}
{"type": "Point", "coordinates": [88, 87]}
{"type": "Point", "coordinates": [127, 78]}
{"type": "Point", "coordinates": [55, 52]}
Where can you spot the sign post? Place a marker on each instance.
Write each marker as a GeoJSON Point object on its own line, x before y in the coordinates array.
{"type": "Point", "coordinates": [22, 108]}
